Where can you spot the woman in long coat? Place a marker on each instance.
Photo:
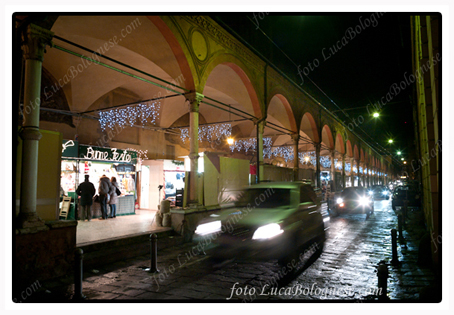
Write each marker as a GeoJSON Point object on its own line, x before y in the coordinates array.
{"type": "Point", "coordinates": [113, 197]}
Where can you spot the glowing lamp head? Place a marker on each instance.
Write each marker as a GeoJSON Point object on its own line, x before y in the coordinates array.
{"type": "Point", "coordinates": [306, 158]}
{"type": "Point", "coordinates": [230, 140]}
{"type": "Point", "coordinates": [390, 141]}
{"type": "Point", "coordinates": [376, 114]}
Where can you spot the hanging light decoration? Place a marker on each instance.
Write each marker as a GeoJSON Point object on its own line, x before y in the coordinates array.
{"type": "Point", "coordinates": [251, 144]}
{"type": "Point", "coordinates": [129, 116]}
{"type": "Point", "coordinates": [209, 132]}
{"type": "Point", "coordinates": [325, 161]}
{"type": "Point", "coordinates": [306, 157]}
{"type": "Point", "coordinates": [338, 164]}
{"type": "Point", "coordinates": [141, 155]}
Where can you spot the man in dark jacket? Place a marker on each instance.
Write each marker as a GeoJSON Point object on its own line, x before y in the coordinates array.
{"type": "Point", "coordinates": [104, 189]}
{"type": "Point", "coordinates": [86, 191]}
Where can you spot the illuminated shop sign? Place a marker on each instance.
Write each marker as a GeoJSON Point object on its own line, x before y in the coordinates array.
{"type": "Point", "coordinates": [107, 154]}
{"type": "Point", "coordinates": [69, 148]}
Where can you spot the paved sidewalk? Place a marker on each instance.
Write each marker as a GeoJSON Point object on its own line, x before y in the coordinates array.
{"type": "Point", "coordinates": [187, 274]}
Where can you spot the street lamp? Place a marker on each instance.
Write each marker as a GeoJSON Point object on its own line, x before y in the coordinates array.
{"type": "Point", "coordinates": [390, 141]}
{"type": "Point", "coordinates": [399, 153]}
{"type": "Point", "coordinates": [230, 140]}
{"type": "Point", "coordinates": [376, 114]}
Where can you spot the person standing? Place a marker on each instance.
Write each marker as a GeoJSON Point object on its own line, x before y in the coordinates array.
{"type": "Point", "coordinates": [104, 190]}
{"type": "Point", "coordinates": [113, 197]}
{"type": "Point", "coordinates": [86, 191]}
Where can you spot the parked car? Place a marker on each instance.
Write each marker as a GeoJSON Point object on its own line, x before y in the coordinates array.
{"type": "Point", "coordinates": [269, 221]}
{"type": "Point", "coordinates": [402, 193]}
{"type": "Point", "coordinates": [351, 200]}
{"type": "Point", "coordinates": [379, 192]}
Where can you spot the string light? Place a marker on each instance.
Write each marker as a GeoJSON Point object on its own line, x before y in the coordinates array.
{"type": "Point", "coordinates": [141, 155]}
{"type": "Point", "coordinates": [251, 144]}
{"type": "Point", "coordinates": [128, 116]}
{"type": "Point", "coordinates": [208, 133]}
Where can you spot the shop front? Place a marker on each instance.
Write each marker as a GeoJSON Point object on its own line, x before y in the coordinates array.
{"type": "Point", "coordinates": [79, 160]}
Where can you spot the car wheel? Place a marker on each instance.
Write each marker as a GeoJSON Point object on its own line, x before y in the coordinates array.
{"type": "Point", "coordinates": [394, 207]}
{"type": "Point", "coordinates": [387, 198]}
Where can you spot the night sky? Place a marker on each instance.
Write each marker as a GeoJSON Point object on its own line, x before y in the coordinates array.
{"type": "Point", "coordinates": [355, 59]}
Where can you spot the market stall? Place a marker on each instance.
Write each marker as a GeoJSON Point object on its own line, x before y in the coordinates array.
{"type": "Point", "coordinates": [96, 162]}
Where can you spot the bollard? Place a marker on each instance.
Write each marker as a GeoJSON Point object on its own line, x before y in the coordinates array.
{"type": "Point", "coordinates": [395, 260]}
{"type": "Point", "coordinates": [154, 254]}
{"type": "Point", "coordinates": [382, 273]}
{"type": "Point", "coordinates": [78, 274]}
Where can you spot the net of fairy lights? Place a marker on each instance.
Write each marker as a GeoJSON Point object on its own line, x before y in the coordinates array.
{"type": "Point", "coordinates": [307, 157]}
{"type": "Point", "coordinates": [141, 155]}
{"type": "Point", "coordinates": [130, 116]}
{"type": "Point", "coordinates": [250, 144]}
{"type": "Point", "coordinates": [338, 164]}
{"type": "Point", "coordinates": [208, 133]}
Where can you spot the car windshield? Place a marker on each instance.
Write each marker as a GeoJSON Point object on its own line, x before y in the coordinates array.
{"type": "Point", "coordinates": [353, 193]}
{"type": "Point", "coordinates": [264, 198]}
{"type": "Point", "coordinates": [377, 188]}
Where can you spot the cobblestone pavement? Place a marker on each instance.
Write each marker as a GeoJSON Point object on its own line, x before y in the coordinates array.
{"type": "Point", "coordinates": [346, 270]}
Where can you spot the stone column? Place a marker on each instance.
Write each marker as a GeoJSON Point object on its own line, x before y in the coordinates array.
{"type": "Point", "coordinates": [260, 130]}
{"type": "Point", "coordinates": [358, 174]}
{"type": "Point", "coordinates": [295, 139]}
{"type": "Point", "coordinates": [333, 169]}
{"type": "Point", "coordinates": [343, 171]}
{"type": "Point", "coordinates": [194, 99]}
{"type": "Point", "coordinates": [317, 165]}
{"type": "Point", "coordinates": [34, 41]}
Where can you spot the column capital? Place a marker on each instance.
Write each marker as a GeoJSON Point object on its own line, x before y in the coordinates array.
{"type": "Point", "coordinates": [34, 41]}
{"type": "Point", "coordinates": [261, 125]}
{"type": "Point", "coordinates": [295, 137]}
{"type": "Point", "coordinates": [194, 99]}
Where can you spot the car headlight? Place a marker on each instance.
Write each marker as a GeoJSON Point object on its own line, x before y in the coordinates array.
{"type": "Point", "coordinates": [267, 231]}
{"type": "Point", "coordinates": [385, 192]}
{"type": "Point", "coordinates": [208, 228]}
{"type": "Point", "coordinates": [339, 200]}
{"type": "Point", "coordinates": [370, 192]}
{"type": "Point", "coordinates": [364, 201]}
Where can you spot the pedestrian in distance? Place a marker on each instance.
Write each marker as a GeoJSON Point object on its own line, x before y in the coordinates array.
{"type": "Point", "coordinates": [104, 194]}
{"type": "Point", "coordinates": [86, 191]}
{"type": "Point", "coordinates": [113, 197]}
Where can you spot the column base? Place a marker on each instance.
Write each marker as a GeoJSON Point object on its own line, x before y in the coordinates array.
{"type": "Point", "coordinates": [30, 222]}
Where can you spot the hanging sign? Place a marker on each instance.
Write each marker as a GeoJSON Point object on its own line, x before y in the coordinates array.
{"type": "Point", "coordinates": [107, 154]}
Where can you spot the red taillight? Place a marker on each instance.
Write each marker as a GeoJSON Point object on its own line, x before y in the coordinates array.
{"type": "Point", "coordinates": [341, 204]}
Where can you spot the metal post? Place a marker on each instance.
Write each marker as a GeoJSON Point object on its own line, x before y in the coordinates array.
{"type": "Point", "coordinates": [78, 274]}
{"type": "Point", "coordinates": [395, 260]}
{"type": "Point", "coordinates": [382, 273]}
{"type": "Point", "coordinates": [154, 254]}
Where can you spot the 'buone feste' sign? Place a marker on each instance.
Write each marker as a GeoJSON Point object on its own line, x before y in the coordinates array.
{"type": "Point", "coordinates": [107, 154]}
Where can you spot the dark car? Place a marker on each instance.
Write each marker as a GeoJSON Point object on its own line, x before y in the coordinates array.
{"type": "Point", "coordinates": [351, 200]}
{"type": "Point", "coordinates": [402, 193]}
{"type": "Point", "coordinates": [269, 221]}
{"type": "Point", "coordinates": [379, 192]}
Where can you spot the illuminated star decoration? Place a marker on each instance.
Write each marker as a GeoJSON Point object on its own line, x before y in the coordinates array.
{"type": "Point", "coordinates": [128, 116]}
